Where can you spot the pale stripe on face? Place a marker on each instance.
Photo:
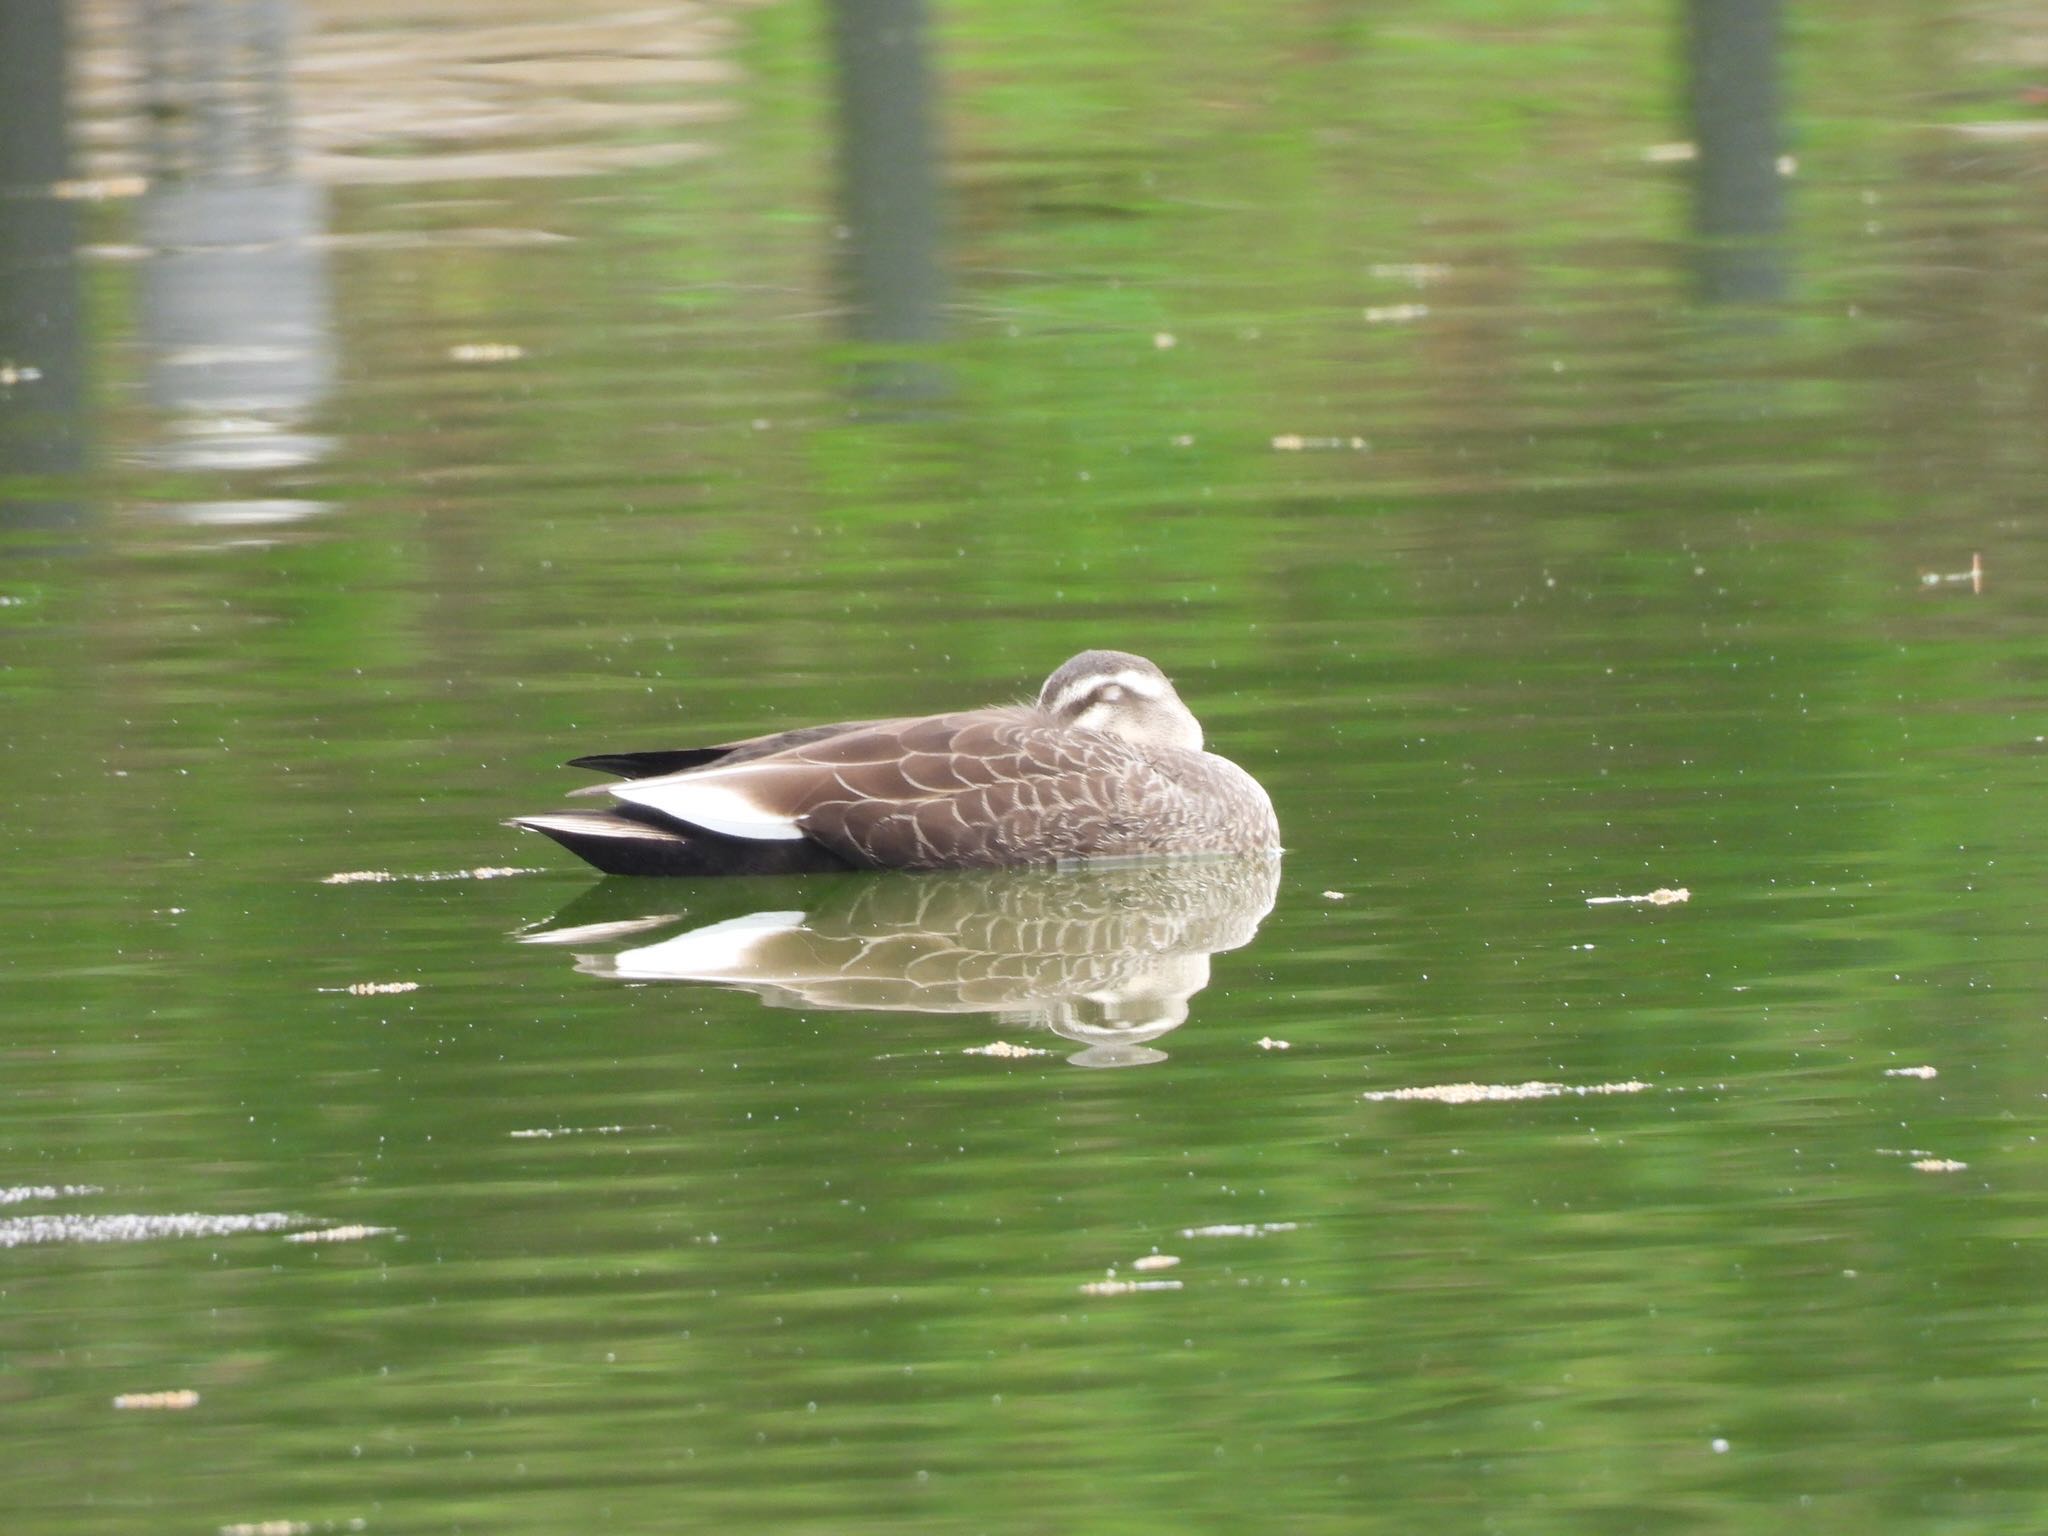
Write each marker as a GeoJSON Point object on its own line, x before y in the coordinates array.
{"type": "Point", "coordinates": [1097, 690]}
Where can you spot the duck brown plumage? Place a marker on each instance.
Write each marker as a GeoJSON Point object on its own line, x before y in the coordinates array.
{"type": "Point", "coordinates": [1107, 763]}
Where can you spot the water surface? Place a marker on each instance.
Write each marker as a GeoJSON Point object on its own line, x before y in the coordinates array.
{"type": "Point", "coordinates": [1563, 455]}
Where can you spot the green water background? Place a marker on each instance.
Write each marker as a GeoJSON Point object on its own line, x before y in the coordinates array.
{"type": "Point", "coordinates": [1539, 513]}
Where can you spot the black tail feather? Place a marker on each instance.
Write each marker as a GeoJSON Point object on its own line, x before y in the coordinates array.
{"type": "Point", "coordinates": [646, 765]}
{"type": "Point", "coordinates": [619, 843]}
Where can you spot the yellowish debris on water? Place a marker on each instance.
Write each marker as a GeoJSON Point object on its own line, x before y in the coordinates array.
{"type": "Point", "coordinates": [1663, 896]}
{"type": "Point", "coordinates": [1294, 442]}
{"type": "Point", "coordinates": [380, 988]}
{"type": "Point", "coordinates": [267, 1528]}
{"type": "Point", "coordinates": [1003, 1048]}
{"type": "Point", "coordinates": [1156, 1261]}
{"type": "Point", "coordinates": [99, 188]}
{"type": "Point", "coordinates": [1268, 1043]}
{"type": "Point", "coordinates": [1939, 1165]}
{"type": "Point", "coordinates": [1240, 1229]}
{"type": "Point", "coordinates": [160, 1402]}
{"type": "Point", "coordinates": [1387, 314]}
{"type": "Point", "coordinates": [349, 1234]}
{"type": "Point", "coordinates": [1922, 1072]}
{"type": "Point", "coordinates": [1489, 1093]}
{"type": "Point", "coordinates": [486, 352]}
{"type": "Point", "coordinates": [1416, 272]}
{"type": "Point", "coordinates": [2003, 130]}
{"type": "Point", "coordinates": [385, 876]}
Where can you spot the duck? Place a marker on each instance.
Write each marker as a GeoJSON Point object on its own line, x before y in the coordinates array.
{"type": "Point", "coordinates": [1105, 763]}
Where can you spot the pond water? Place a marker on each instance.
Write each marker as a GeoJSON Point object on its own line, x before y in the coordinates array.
{"type": "Point", "coordinates": [1565, 452]}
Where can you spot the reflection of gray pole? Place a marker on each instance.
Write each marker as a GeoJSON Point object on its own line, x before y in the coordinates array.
{"type": "Point", "coordinates": [888, 172]}
{"type": "Point", "coordinates": [1738, 193]}
{"type": "Point", "coordinates": [42, 413]}
{"type": "Point", "coordinates": [234, 296]}
{"type": "Point", "coordinates": [234, 293]}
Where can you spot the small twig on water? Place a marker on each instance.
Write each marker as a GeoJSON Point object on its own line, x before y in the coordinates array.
{"type": "Point", "coordinates": [1974, 575]}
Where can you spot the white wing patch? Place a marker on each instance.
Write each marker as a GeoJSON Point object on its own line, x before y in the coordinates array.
{"type": "Point", "coordinates": [722, 802]}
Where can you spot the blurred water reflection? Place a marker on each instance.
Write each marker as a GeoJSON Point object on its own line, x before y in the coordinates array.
{"type": "Point", "coordinates": [1109, 957]}
{"type": "Point", "coordinates": [1740, 168]}
{"type": "Point", "coordinates": [43, 429]}
{"type": "Point", "coordinates": [890, 236]}
{"type": "Point", "coordinates": [234, 294]}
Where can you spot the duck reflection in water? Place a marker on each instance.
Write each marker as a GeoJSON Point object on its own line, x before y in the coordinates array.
{"type": "Point", "coordinates": [1107, 956]}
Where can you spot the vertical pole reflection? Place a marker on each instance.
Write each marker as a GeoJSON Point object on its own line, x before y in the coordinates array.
{"type": "Point", "coordinates": [1738, 192]}
{"type": "Point", "coordinates": [42, 395]}
{"type": "Point", "coordinates": [234, 293]}
{"type": "Point", "coordinates": [888, 188]}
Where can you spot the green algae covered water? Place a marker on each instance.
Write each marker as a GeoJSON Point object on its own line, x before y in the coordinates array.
{"type": "Point", "coordinates": [1565, 455]}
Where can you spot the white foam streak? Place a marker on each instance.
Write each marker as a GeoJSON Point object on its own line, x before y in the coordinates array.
{"type": "Point", "coordinates": [27, 1231]}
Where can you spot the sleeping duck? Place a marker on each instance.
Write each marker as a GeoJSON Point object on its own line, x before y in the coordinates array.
{"type": "Point", "coordinates": [1107, 763]}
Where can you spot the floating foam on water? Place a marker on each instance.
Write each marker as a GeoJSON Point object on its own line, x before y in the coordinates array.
{"type": "Point", "coordinates": [385, 876]}
{"type": "Point", "coordinates": [1488, 1093]}
{"type": "Point", "coordinates": [1127, 1287]}
{"type": "Point", "coordinates": [1416, 272]}
{"type": "Point", "coordinates": [16, 1194]}
{"type": "Point", "coordinates": [486, 352]}
{"type": "Point", "coordinates": [173, 1401]}
{"type": "Point", "coordinates": [550, 1132]}
{"type": "Point", "coordinates": [26, 1231]}
{"type": "Point", "coordinates": [1295, 442]}
{"type": "Point", "coordinates": [349, 1234]}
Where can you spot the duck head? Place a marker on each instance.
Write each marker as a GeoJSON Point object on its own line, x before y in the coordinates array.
{"type": "Point", "coordinates": [1120, 695]}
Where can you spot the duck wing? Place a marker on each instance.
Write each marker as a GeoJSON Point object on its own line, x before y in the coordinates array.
{"type": "Point", "coordinates": [977, 789]}
{"type": "Point", "coordinates": [648, 765]}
